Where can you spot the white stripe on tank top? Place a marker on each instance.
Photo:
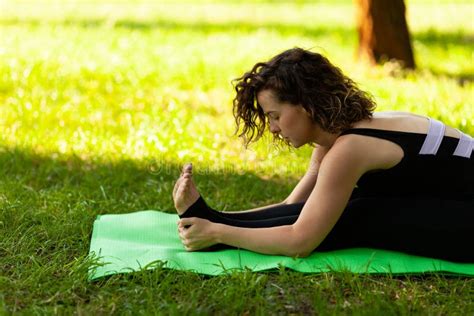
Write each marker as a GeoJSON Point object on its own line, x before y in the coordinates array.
{"type": "Point", "coordinates": [435, 135]}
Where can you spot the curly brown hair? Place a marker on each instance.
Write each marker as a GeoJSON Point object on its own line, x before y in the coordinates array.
{"type": "Point", "coordinates": [300, 77]}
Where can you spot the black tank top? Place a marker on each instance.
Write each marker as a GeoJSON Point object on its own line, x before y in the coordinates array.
{"type": "Point", "coordinates": [440, 175]}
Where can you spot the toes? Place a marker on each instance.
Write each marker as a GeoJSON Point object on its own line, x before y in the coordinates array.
{"type": "Point", "coordinates": [177, 185]}
{"type": "Point", "coordinates": [187, 167]}
{"type": "Point", "coordinates": [175, 189]}
{"type": "Point", "coordinates": [183, 177]}
{"type": "Point", "coordinates": [179, 200]}
{"type": "Point", "coordinates": [185, 185]}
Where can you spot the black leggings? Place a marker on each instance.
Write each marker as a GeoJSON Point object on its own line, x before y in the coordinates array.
{"type": "Point", "coordinates": [430, 227]}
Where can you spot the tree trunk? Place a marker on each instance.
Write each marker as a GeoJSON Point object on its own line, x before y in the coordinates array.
{"type": "Point", "coordinates": [383, 32]}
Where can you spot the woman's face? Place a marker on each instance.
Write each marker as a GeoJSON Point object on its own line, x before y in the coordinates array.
{"type": "Point", "coordinates": [291, 122]}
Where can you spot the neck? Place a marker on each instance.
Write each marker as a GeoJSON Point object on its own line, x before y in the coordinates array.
{"type": "Point", "coordinates": [324, 138]}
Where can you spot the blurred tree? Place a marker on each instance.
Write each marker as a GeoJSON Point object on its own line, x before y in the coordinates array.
{"type": "Point", "coordinates": [383, 32]}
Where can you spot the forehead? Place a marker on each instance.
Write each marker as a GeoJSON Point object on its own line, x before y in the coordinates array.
{"type": "Point", "coordinates": [267, 99]}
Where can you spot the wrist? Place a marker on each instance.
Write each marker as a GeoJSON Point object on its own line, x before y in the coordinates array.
{"type": "Point", "coordinates": [216, 233]}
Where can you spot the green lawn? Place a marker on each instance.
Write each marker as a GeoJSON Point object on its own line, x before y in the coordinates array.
{"type": "Point", "coordinates": [101, 102]}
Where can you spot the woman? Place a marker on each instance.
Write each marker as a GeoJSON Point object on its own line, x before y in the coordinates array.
{"type": "Point", "coordinates": [395, 181]}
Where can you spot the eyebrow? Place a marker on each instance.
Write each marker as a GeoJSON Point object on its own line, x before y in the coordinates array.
{"type": "Point", "coordinates": [269, 112]}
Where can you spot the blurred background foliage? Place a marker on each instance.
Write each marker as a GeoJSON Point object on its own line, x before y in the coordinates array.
{"type": "Point", "coordinates": [152, 80]}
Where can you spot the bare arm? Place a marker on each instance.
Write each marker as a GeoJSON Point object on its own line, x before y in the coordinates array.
{"type": "Point", "coordinates": [337, 177]}
{"type": "Point", "coordinates": [303, 189]}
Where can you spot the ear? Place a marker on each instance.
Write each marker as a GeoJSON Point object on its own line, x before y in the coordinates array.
{"type": "Point", "coordinates": [307, 112]}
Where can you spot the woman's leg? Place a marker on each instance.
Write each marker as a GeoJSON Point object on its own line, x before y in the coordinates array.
{"type": "Point", "coordinates": [279, 215]}
{"type": "Point", "coordinates": [424, 226]}
{"type": "Point", "coordinates": [285, 214]}
{"type": "Point", "coordinates": [189, 203]}
{"type": "Point", "coordinates": [429, 226]}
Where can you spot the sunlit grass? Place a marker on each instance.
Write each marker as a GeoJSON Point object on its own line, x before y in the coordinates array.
{"type": "Point", "coordinates": [100, 103]}
{"type": "Point", "coordinates": [144, 91]}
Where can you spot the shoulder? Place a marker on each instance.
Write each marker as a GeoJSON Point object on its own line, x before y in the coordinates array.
{"type": "Point", "coordinates": [318, 154]}
{"type": "Point", "coordinates": [370, 152]}
{"type": "Point", "coordinates": [350, 146]}
{"type": "Point", "coordinates": [349, 155]}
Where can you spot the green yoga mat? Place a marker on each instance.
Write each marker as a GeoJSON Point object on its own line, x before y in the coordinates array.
{"type": "Point", "coordinates": [130, 242]}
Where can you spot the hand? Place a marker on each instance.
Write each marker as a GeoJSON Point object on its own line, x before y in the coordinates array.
{"type": "Point", "coordinates": [196, 233]}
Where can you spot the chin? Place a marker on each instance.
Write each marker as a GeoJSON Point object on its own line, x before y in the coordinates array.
{"type": "Point", "coordinates": [295, 144]}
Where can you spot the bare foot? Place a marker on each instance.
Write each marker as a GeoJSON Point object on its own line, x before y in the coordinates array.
{"type": "Point", "coordinates": [185, 192]}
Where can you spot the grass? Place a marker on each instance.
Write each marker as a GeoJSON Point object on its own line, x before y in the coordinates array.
{"type": "Point", "coordinates": [102, 102]}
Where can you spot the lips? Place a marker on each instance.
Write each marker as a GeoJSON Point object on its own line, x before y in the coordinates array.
{"type": "Point", "coordinates": [284, 137]}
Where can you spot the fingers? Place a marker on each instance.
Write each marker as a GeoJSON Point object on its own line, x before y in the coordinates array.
{"type": "Point", "coordinates": [187, 221]}
{"type": "Point", "coordinates": [186, 233]}
{"type": "Point", "coordinates": [187, 243]}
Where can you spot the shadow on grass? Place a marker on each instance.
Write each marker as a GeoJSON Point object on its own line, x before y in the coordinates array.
{"type": "Point", "coordinates": [431, 38]}
{"type": "Point", "coordinates": [461, 79]}
{"type": "Point", "coordinates": [444, 41]}
{"type": "Point", "coordinates": [193, 26]}
{"type": "Point", "coordinates": [48, 205]}
{"type": "Point", "coordinates": [126, 185]}
{"type": "Point", "coordinates": [428, 37]}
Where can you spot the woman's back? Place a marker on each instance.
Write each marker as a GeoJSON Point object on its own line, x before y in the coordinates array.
{"type": "Point", "coordinates": [403, 122]}
{"type": "Point", "coordinates": [408, 162]}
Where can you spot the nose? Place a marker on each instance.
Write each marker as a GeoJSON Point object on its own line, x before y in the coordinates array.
{"type": "Point", "coordinates": [274, 128]}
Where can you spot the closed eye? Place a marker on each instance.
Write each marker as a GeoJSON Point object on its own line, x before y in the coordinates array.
{"type": "Point", "coordinates": [273, 117]}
